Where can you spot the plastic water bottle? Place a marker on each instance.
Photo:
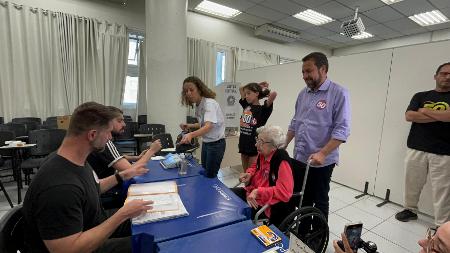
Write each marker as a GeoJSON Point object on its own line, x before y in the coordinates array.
{"type": "Point", "coordinates": [183, 165]}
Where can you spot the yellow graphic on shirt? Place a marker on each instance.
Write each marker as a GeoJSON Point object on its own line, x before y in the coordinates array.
{"type": "Point", "coordinates": [437, 106]}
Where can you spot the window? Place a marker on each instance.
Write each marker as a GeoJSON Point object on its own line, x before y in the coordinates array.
{"type": "Point", "coordinates": [220, 67]}
{"type": "Point", "coordinates": [130, 93]}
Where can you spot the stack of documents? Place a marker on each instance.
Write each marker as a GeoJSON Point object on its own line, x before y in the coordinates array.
{"type": "Point", "coordinates": [167, 203]}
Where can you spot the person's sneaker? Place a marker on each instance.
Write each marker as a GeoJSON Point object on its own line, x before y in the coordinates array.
{"type": "Point", "coordinates": [406, 215]}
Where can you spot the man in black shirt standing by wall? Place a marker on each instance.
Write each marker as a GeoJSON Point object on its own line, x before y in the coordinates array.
{"type": "Point", "coordinates": [429, 148]}
{"type": "Point", "coordinates": [62, 207]}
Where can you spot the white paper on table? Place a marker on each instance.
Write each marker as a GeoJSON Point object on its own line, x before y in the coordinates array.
{"type": "Point", "coordinates": [153, 188]}
{"type": "Point", "coordinates": [162, 215]}
{"type": "Point", "coordinates": [161, 202]}
{"type": "Point", "coordinates": [157, 158]}
{"type": "Point", "coordinates": [168, 150]}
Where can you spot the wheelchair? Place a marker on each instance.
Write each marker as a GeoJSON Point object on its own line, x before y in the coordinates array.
{"type": "Point", "coordinates": [306, 223]}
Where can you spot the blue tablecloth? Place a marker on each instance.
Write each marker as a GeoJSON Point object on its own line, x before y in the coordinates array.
{"type": "Point", "coordinates": [210, 205]}
{"type": "Point", "coordinates": [158, 173]}
{"type": "Point", "coordinates": [234, 238]}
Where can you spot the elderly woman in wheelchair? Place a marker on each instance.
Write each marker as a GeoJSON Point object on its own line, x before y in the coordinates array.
{"type": "Point", "coordinates": [269, 181]}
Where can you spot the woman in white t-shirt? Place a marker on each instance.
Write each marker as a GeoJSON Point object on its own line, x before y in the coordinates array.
{"type": "Point", "coordinates": [211, 123]}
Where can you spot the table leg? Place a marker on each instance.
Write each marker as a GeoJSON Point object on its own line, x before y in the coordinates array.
{"type": "Point", "coordinates": [18, 174]}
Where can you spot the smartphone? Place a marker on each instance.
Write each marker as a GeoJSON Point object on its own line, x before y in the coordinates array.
{"type": "Point", "coordinates": [353, 232]}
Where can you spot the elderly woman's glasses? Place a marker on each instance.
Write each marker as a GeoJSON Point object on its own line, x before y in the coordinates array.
{"type": "Point", "coordinates": [431, 242]}
{"type": "Point", "coordinates": [260, 141]}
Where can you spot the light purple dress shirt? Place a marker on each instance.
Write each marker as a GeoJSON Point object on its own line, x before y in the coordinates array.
{"type": "Point", "coordinates": [320, 116]}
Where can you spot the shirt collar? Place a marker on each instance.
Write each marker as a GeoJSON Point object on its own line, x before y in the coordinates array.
{"type": "Point", "coordinates": [325, 85]}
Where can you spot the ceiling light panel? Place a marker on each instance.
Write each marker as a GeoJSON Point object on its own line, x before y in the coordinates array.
{"type": "Point", "coordinates": [313, 17]}
{"type": "Point", "coordinates": [217, 9]}
{"type": "Point", "coordinates": [361, 36]}
{"type": "Point", "coordinates": [429, 18]}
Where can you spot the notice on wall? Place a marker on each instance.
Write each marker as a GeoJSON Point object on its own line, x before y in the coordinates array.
{"type": "Point", "coordinates": [228, 97]}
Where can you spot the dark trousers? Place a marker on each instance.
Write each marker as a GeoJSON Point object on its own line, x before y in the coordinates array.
{"type": "Point", "coordinates": [317, 187]}
{"type": "Point", "coordinates": [120, 240]}
{"type": "Point", "coordinates": [212, 155]}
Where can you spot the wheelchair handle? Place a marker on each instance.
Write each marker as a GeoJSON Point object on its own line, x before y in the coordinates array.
{"type": "Point", "coordinates": [260, 211]}
{"type": "Point", "coordinates": [302, 192]}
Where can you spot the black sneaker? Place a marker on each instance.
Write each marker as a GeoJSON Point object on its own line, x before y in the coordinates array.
{"type": "Point", "coordinates": [406, 215]}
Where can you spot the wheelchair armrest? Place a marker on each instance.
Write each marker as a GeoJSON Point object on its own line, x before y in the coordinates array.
{"type": "Point", "coordinates": [259, 213]}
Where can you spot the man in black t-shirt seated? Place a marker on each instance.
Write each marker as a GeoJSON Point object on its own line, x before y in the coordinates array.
{"type": "Point", "coordinates": [62, 207]}
{"type": "Point", "coordinates": [108, 161]}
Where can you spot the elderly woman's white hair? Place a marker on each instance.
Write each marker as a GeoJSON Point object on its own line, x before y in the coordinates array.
{"type": "Point", "coordinates": [275, 135]}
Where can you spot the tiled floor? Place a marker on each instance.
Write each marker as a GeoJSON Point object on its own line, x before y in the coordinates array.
{"type": "Point", "coordinates": [380, 226]}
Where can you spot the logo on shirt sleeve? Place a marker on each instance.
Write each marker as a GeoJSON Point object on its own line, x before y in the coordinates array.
{"type": "Point", "coordinates": [322, 104]}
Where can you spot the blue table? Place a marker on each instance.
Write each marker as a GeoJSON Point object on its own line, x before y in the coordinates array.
{"type": "Point", "coordinates": [210, 205]}
{"type": "Point", "coordinates": [158, 173]}
{"type": "Point", "coordinates": [232, 238]}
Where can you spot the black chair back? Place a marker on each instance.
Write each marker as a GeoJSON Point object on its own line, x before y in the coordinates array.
{"type": "Point", "coordinates": [18, 129]}
{"type": "Point", "coordinates": [27, 119]}
{"type": "Point", "coordinates": [46, 140]}
{"type": "Point", "coordinates": [152, 129]}
{"type": "Point", "coordinates": [127, 118]}
{"type": "Point", "coordinates": [142, 119]}
{"type": "Point", "coordinates": [6, 136]}
{"type": "Point", "coordinates": [50, 123]}
{"type": "Point", "coordinates": [166, 140]}
{"type": "Point", "coordinates": [2, 121]}
{"type": "Point", "coordinates": [130, 129]}
{"type": "Point", "coordinates": [12, 231]}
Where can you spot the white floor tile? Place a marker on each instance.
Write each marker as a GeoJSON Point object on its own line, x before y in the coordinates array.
{"type": "Point", "coordinates": [230, 181]}
{"type": "Point", "coordinates": [384, 245]}
{"type": "Point", "coordinates": [336, 204]}
{"type": "Point", "coordinates": [369, 204]}
{"type": "Point", "coordinates": [336, 224]}
{"type": "Point", "coordinates": [334, 185]}
{"type": "Point", "coordinates": [357, 215]}
{"type": "Point", "coordinates": [398, 235]}
{"type": "Point", "coordinates": [344, 194]}
{"type": "Point", "coordinates": [418, 227]}
{"type": "Point", "coordinates": [330, 248]}
{"type": "Point", "coordinates": [226, 171]}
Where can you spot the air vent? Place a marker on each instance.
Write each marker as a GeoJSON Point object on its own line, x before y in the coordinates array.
{"type": "Point", "coordinates": [271, 32]}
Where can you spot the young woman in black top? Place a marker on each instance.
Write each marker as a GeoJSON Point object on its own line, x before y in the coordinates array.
{"type": "Point", "coordinates": [253, 116]}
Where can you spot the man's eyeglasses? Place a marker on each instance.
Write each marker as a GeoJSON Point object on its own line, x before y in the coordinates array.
{"type": "Point", "coordinates": [260, 142]}
{"type": "Point", "coordinates": [430, 237]}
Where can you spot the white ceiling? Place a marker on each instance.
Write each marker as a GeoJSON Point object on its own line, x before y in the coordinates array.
{"type": "Point", "coordinates": [381, 20]}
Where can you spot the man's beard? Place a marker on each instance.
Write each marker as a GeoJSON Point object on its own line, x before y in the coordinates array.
{"type": "Point", "coordinates": [312, 84]}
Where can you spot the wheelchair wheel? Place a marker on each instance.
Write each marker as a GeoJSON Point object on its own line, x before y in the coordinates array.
{"type": "Point", "coordinates": [310, 226]}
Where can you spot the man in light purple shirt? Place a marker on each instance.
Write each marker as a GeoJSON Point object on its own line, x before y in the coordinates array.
{"type": "Point", "coordinates": [320, 124]}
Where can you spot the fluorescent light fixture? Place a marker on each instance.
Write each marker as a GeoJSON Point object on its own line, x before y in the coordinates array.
{"type": "Point", "coordinates": [361, 36]}
{"type": "Point", "coordinates": [388, 2]}
{"type": "Point", "coordinates": [429, 18]}
{"type": "Point", "coordinates": [313, 17]}
{"type": "Point", "coordinates": [217, 9]}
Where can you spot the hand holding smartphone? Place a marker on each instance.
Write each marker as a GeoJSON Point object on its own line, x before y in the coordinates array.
{"type": "Point", "coordinates": [353, 233]}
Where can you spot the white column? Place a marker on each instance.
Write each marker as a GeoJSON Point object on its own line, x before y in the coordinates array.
{"type": "Point", "coordinates": [166, 52]}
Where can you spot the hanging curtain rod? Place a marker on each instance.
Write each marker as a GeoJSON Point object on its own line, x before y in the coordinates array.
{"type": "Point", "coordinates": [54, 13]}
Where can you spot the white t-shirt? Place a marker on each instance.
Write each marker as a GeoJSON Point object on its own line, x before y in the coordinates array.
{"type": "Point", "coordinates": [209, 110]}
